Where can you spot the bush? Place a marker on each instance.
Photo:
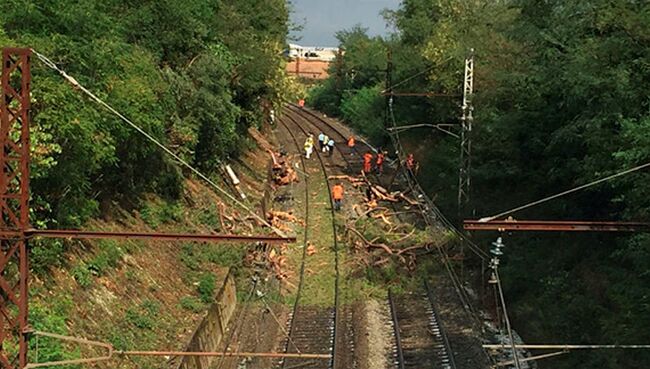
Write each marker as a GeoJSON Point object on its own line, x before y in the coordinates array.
{"type": "Point", "coordinates": [190, 257]}
{"type": "Point", "coordinates": [51, 318]}
{"type": "Point", "coordinates": [143, 316]}
{"type": "Point", "coordinates": [159, 212]}
{"type": "Point", "coordinates": [192, 304]}
{"type": "Point", "coordinates": [46, 254]}
{"type": "Point", "coordinates": [325, 98]}
{"type": "Point", "coordinates": [82, 275]}
{"type": "Point", "coordinates": [206, 287]}
{"type": "Point", "coordinates": [360, 111]}
{"type": "Point", "coordinates": [108, 256]}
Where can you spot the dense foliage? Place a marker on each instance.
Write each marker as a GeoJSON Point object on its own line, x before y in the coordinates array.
{"type": "Point", "coordinates": [561, 99]}
{"type": "Point", "coordinates": [192, 73]}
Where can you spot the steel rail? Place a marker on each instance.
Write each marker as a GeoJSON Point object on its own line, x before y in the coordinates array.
{"type": "Point", "coordinates": [296, 109]}
{"type": "Point", "coordinates": [344, 138]}
{"type": "Point", "coordinates": [433, 216]}
{"type": "Point", "coordinates": [398, 337]}
{"type": "Point", "coordinates": [333, 363]}
{"type": "Point", "coordinates": [81, 234]}
{"type": "Point", "coordinates": [305, 240]}
{"type": "Point", "coordinates": [443, 333]}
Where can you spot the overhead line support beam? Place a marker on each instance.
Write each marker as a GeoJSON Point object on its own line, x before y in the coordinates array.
{"type": "Point", "coordinates": [79, 234]}
{"type": "Point", "coordinates": [419, 94]}
{"type": "Point", "coordinates": [555, 226]}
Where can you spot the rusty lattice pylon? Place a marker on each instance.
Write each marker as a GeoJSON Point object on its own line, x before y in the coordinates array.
{"type": "Point", "coordinates": [14, 206]}
{"type": "Point", "coordinates": [15, 229]}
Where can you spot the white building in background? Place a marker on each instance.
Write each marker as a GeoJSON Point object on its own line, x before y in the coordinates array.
{"type": "Point", "coordinates": [327, 54]}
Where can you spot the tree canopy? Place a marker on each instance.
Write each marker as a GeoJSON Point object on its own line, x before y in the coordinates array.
{"type": "Point", "coordinates": [191, 73]}
{"type": "Point", "coordinates": [560, 100]}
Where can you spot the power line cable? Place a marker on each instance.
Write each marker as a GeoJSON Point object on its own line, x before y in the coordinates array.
{"type": "Point", "coordinates": [415, 187]}
{"type": "Point", "coordinates": [438, 218]}
{"type": "Point", "coordinates": [408, 79]}
{"type": "Point", "coordinates": [99, 101]}
{"type": "Point", "coordinates": [575, 189]}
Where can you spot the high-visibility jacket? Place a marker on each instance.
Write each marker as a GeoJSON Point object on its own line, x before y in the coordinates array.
{"type": "Point", "coordinates": [380, 158]}
{"type": "Point", "coordinates": [367, 162]}
{"type": "Point", "coordinates": [351, 141]}
{"type": "Point", "coordinates": [337, 192]}
{"type": "Point", "coordinates": [367, 158]}
{"type": "Point", "coordinates": [410, 162]}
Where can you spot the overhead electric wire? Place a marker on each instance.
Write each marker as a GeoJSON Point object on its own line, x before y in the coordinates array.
{"type": "Point", "coordinates": [455, 280]}
{"type": "Point", "coordinates": [575, 189]}
{"type": "Point", "coordinates": [441, 217]}
{"type": "Point", "coordinates": [408, 79]}
{"type": "Point", "coordinates": [415, 187]}
{"type": "Point", "coordinates": [99, 101]}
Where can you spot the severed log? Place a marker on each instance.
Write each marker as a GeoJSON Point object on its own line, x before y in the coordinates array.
{"type": "Point", "coordinates": [383, 217]}
{"type": "Point", "coordinates": [370, 243]}
{"type": "Point", "coordinates": [366, 212]}
{"type": "Point", "coordinates": [283, 215]}
{"type": "Point", "coordinates": [405, 237]}
{"type": "Point", "coordinates": [412, 248]}
{"type": "Point", "coordinates": [406, 199]}
{"type": "Point", "coordinates": [382, 196]}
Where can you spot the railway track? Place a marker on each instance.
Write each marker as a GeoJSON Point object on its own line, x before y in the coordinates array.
{"type": "Point", "coordinates": [311, 328]}
{"type": "Point", "coordinates": [351, 156]}
{"type": "Point", "coordinates": [420, 341]}
{"type": "Point", "coordinates": [423, 343]}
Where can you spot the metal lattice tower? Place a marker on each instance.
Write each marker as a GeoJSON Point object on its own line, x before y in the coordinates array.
{"type": "Point", "coordinates": [14, 206]}
{"type": "Point", "coordinates": [467, 119]}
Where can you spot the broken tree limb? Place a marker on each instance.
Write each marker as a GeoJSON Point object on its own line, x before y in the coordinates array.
{"type": "Point", "coordinates": [412, 248]}
{"type": "Point", "coordinates": [366, 212]}
{"type": "Point", "coordinates": [406, 199]}
{"type": "Point", "coordinates": [383, 217]}
{"type": "Point", "coordinates": [405, 237]}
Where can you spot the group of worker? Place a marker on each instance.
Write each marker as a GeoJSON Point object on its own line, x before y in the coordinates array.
{"type": "Point", "coordinates": [368, 159]}
{"type": "Point", "coordinates": [325, 144]}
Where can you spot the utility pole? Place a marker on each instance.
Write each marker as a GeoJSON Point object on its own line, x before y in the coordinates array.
{"type": "Point", "coordinates": [467, 119]}
{"type": "Point", "coordinates": [298, 63]}
{"type": "Point", "coordinates": [339, 74]}
{"type": "Point", "coordinates": [389, 87]}
{"type": "Point", "coordinates": [14, 205]}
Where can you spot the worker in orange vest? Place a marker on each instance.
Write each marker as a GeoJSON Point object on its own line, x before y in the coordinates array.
{"type": "Point", "coordinates": [301, 103]}
{"type": "Point", "coordinates": [380, 162]}
{"type": "Point", "coordinates": [367, 162]}
{"type": "Point", "coordinates": [337, 195]}
{"type": "Point", "coordinates": [351, 144]}
{"type": "Point", "coordinates": [411, 165]}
